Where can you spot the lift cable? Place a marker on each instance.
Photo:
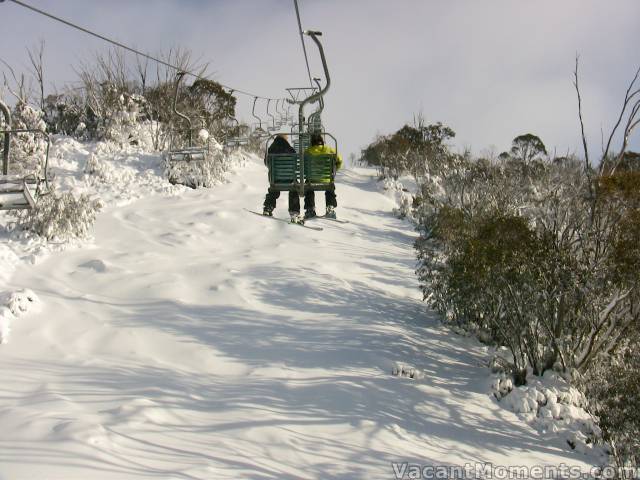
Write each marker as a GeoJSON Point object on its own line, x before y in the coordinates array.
{"type": "Point", "coordinates": [304, 48]}
{"type": "Point", "coordinates": [125, 47]}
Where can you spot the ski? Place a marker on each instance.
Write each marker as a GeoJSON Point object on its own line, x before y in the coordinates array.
{"type": "Point", "coordinates": [323, 217]}
{"type": "Point", "coordinates": [284, 220]}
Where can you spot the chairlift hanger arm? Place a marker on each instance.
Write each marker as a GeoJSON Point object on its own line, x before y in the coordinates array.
{"type": "Point", "coordinates": [253, 112]}
{"type": "Point", "coordinates": [179, 77]}
{"type": "Point", "coordinates": [7, 141]}
{"type": "Point", "coordinates": [314, 36]}
{"type": "Point", "coordinates": [273, 119]}
{"type": "Point", "coordinates": [321, 100]}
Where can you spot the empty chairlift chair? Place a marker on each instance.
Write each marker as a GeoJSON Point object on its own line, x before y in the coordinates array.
{"type": "Point", "coordinates": [20, 191]}
{"type": "Point", "coordinates": [190, 153]}
{"type": "Point", "coordinates": [185, 164]}
{"type": "Point", "coordinates": [257, 131]}
{"type": "Point", "coordinates": [235, 135]}
{"type": "Point", "coordinates": [236, 139]}
{"type": "Point", "coordinates": [273, 127]}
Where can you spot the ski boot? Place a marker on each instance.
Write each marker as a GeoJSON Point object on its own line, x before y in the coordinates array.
{"type": "Point", "coordinates": [331, 212]}
{"type": "Point", "coordinates": [267, 212]}
{"type": "Point", "coordinates": [309, 213]}
{"type": "Point", "coordinates": [296, 218]}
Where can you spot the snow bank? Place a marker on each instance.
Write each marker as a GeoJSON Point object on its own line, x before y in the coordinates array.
{"type": "Point", "coordinates": [189, 343]}
{"type": "Point", "coordinates": [554, 408]}
{"type": "Point", "coordinates": [8, 262]}
{"type": "Point", "coordinates": [99, 175]}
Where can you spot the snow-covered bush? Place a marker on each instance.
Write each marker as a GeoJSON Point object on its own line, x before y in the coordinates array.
{"type": "Point", "coordinates": [12, 306]}
{"type": "Point", "coordinates": [544, 258]}
{"type": "Point", "coordinates": [613, 388]}
{"type": "Point", "coordinates": [28, 149]}
{"type": "Point", "coordinates": [405, 206]}
{"type": "Point", "coordinates": [535, 254]}
{"type": "Point", "coordinates": [122, 125]}
{"type": "Point", "coordinates": [553, 407]}
{"type": "Point", "coordinates": [96, 167]}
{"type": "Point", "coordinates": [60, 216]}
{"type": "Point", "coordinates": [65, 113]}
{"type": "Point", "coordinates": [412, 149]}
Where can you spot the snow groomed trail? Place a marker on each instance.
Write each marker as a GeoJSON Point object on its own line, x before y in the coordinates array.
{"type": "Point", "coordinates": [194, 340]}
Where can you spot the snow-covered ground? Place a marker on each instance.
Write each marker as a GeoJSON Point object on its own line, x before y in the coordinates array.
{"type": "Point", "coordinates": [193, 340]}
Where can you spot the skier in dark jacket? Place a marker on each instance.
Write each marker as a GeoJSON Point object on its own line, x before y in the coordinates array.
{"type": "Point", "coordinates": [281, 145]}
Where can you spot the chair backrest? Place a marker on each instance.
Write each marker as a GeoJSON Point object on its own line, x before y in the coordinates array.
{"type": "Point", "coordinates": [320, 169]}
{"type": "Point", "coordinates": [284, 169]}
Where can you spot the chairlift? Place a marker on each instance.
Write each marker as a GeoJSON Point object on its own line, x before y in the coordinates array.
{"type": "Point", "coordinates": [280, 121]}
{"type": "Point", "coordinates": [273, 127]}
{"type": "Point", "coordinates": [257, 130]}
{"type": "Point", "coordinates": [287, 172]}
{"type": "Point", "coordinates": [21, 192]}
{"type": "Point", "coordinates": [190, 153]}
{"type": "Point", "coordinates": [236, 140]}
{"type": "Point", "coordinates": [295, 171]}
{"type": "Point", "coordinates": [186, 165]}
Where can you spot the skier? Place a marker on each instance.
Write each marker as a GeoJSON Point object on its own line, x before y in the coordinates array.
{"type": "Point", "coordinates": [281, 145]}
{"type": "Point", "coordinates": [317, 147]}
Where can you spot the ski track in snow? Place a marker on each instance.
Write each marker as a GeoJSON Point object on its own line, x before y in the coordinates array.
{"type": "Point", "coordinates": [194, 340]}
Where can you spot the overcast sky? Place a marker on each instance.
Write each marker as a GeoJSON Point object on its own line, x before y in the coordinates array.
{"type": "Point", "coordinates": [491, 70]}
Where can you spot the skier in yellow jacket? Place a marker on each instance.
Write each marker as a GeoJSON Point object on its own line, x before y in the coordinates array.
{"type": "Point", "coordinates": [317, 147]}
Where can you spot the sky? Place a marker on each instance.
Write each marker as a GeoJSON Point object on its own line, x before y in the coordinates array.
{"type": "Point", "coordinates": [491, 69]}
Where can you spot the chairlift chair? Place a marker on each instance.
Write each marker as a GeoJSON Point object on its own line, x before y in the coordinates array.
{"type": "Point", "coordinates": [190, 153]}
{"type": "Point", "coordinates": [285, 168]}
{"type": "Point", "coordinates": [233, 137]}
{"type": "Point", "coordinates": [258, 131]}
{"type": "Point", "coordinates": [21, 192]}
{"type": "Point", "coordinates": [237, 140]}
{"type": "Point", "coordinates": [280, 120]}
{"type": "Point", "coordinates": [271, 128]}
{"type": "Point", "coordinates": [297, 171]}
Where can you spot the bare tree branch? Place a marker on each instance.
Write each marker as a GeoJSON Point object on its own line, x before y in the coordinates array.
{"type": "Point", "coordinates": [20, 94]}
{"type": "Point", "coordinates": [36, 56]}
{"type": "Point", "coordinates": [627, 98]}
{"type": "Point", "coordinates": [584, 138]}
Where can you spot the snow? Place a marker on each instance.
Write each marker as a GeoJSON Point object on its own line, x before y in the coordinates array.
{"type": "Point", "coordinates": [189, 339]}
